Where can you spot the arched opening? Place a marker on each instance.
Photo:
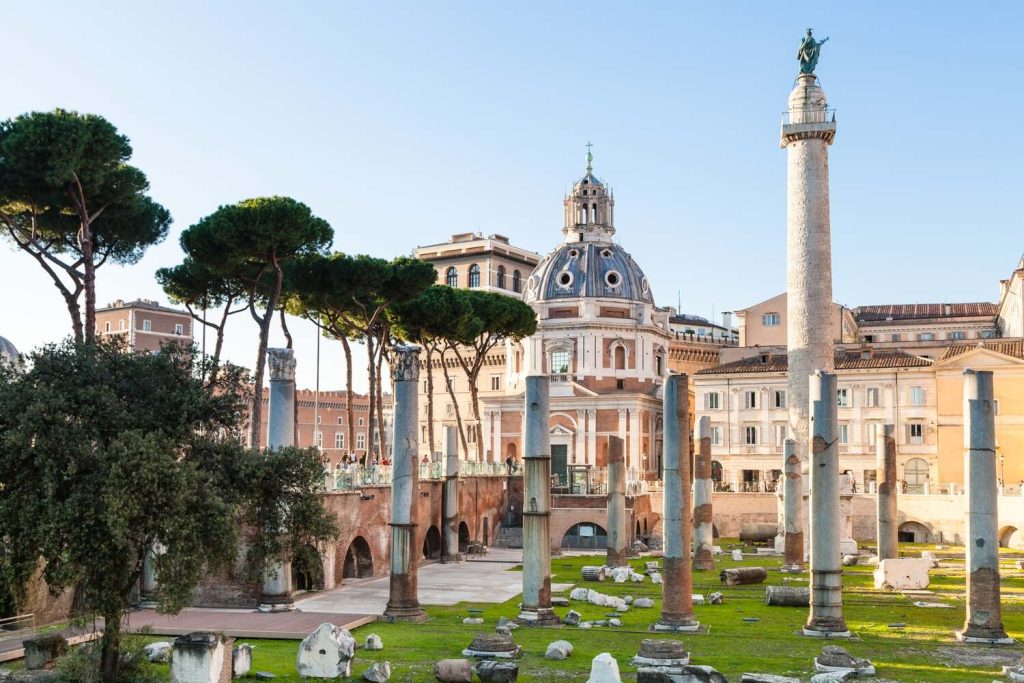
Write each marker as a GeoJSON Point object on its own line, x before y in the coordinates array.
{"type": "Point", "coordinates": [474, 275]}
{"type": "Point", "coordinates": [451, 277]}
{"type": "Point", "coordinates": [638, 529]}
{"type": "Point", "coordinates": [714, 531]}
{"type": "Point", "coordinates": [586, 535]}
{"type": "Point", "coordinates": [915, 472]}
{"type": "Point", "coordinates": [501, 277]}
{"type": "Point", "coordinates": [510, 450]}
{"type": "Point", "coordinates": [516, 281]}
{"type": "Point", "coordinates": [358, 560]}
{"type": "Point", "coordinates": [1011, 537]}
{"type": "Point", "coordinates": [432, 544]}
{"type": "Point", "coordinates": [716, 474]}
{"type": "Point", "coordinates": [307, 569]}
{"type": "Point", "coordinates": [620, 357]}
{"type": "Point", "coordinates": [463, 537]}
{"type": "Point", "coordinates": [486, 527]}
{"type": "Point", "coordinates": [913, 532]}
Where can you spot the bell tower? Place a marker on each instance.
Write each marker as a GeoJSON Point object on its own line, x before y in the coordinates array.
{"type": "Point", "coordinates": [589, 208]}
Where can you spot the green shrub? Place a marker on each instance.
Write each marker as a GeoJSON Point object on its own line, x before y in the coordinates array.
{"type": "Point", "coordinates": [82, 664]}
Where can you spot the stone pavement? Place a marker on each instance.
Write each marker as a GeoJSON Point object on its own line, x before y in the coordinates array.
{"type": "Point", "coordinates": [485, 580]}
{"type": "Point", "coordinates": [241, 623]}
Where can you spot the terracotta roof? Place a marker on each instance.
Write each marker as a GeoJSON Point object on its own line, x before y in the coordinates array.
{"type": "Point", "coordinates": [1013, 348]}
{"type": "Point", "coordinates": [845, 360]}
{"type": "Point", "coordinates": [923, 311]}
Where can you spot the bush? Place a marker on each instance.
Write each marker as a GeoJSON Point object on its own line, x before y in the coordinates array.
{"type": "Point", "coordinates": [82, 664]}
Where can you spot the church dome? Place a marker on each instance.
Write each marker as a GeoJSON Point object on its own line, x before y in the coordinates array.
{"type": "Point", "coordinates": [588, 269]}
{"type": "Point", "coordinates": [8, 352]}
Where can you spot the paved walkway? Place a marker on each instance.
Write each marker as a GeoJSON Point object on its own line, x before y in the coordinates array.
{"type": "Point", "coordinates": [242, 623]}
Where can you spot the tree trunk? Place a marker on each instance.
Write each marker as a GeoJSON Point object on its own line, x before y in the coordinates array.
{"type": "Point", "coordinates": [284, 328]}
{"type": "Point", "coordinates": [380, 398]}
{"type": "Point", "coordinates": [455, 406]}
{"type": "Point", "coordinates": [89, 282]}
{"type": "Point", "coordinates": [372, 377]}
{"type": "Point", "coordinates": [430, 399]}
{"type": "Point", "coordinates": [350, 444]}
{"type": "Point", "coordinates": [110, 648]}
{"type": "Point", "coordinates": [261, 358]}
{"type": "Point", "coordinates": [475, 403]}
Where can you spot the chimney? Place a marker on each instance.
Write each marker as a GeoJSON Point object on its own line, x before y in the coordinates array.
{"type": "Point", "coordinates": [727, 320]}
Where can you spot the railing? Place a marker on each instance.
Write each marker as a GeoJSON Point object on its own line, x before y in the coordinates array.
{"type": "Point", "coordinates": [352, 477]}
{"type": "Point", "coordinates": [797, 116]}
{"type": "Point", "coordinates": [16, 626]}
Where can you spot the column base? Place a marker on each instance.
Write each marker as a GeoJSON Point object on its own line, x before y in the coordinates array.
{"type": "Point", "coordinates": [617, 558]}
{"type": "Point", "coordinates": [676, 627]}
{"type": "Point", "coordinates": [542, 616]}
{"type": "Point", "coordinates": [702, 564]}
{"type": "Point", "coordinates": [996, 639]}
{"type": "Point", "coordinates": [451, 559]}
{"type": "Point", "coordinates": [276, 607]}
{"type": "Point", "coordinates": [409, 615]}
{"type": "Point", "coordinates": [793, 568]}
{"type": "Point", "coordinates": [816, 633]}
{"type": "Point", "coordinates": [146, 603]}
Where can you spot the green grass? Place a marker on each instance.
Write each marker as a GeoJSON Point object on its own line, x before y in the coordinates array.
{"type": "Point", "coordinates": [925, 650]}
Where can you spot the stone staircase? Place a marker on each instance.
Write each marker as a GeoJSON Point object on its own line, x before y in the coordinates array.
{"type": "Point", "coordinates": [509, 537]}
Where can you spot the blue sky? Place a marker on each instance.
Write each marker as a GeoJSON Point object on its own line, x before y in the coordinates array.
{"type": "Point", "coordinates": [402, 123]}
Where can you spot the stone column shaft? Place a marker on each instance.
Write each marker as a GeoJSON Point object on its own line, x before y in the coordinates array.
{"type": "Point", "coordinates": [793, 512]}
{"type": "Point", "coordinates": [617, 533]}
{"type": "Point", "coordinates": [536, 609]}
{"type": "Point", "coordinates": [677, 585]}
{"type": "Point", "coordinates": [703, 490]}
{"type": "Point", "coordinates": [451, 497]}
{"type": "Point", "coordinates": [826, 614]}
{"type": "Point", "coordinates": [984, 621]}
{"type": "Point", "coordinates": [885, 478]}
{"type": "Point", "coordinates": [403, 603]}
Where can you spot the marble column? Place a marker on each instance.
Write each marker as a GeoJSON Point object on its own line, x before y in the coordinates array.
{"type": "Point", "coordinates": [793, 513]}
{"type": "Point", "coordinates": [451, 497]}
{"type": "Point", "coordinates": [826, 614]}
{"type": "Point", "coordinates": [703, 490]}
{"type": "Point", "coordinates": [536, 609]}
{"type": "Point", "coordinates": [984, 623]}
{"type": "Point", "coordinates": [403, 602]}
{"type": "Point", "coordinates": [885, 478]}
{"type": "Point", "coordinates": [617, 533]}
{"type": "Point", "coordinates": [276, 594]}
{"type": "Point", "coordinates": [150, 581]}
{"type": "Point", "coordinates": [807, 133]}
{"type": "Point", "coordinates": [677, 588]}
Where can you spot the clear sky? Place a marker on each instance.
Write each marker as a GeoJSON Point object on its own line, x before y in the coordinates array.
{"type": "Point", "coordinates": [404, 122]}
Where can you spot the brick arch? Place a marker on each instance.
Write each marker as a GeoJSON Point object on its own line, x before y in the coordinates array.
{"type": "Point", "coordinates": [378, 552]}
{"type": "Point", "coordinates": [563, 519]}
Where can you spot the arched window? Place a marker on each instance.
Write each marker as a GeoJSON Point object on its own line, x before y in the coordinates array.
{"type": "Point", "coordinates": [501, 277]}
{"type": "Point", "coordinates": [515, 281]}
{"type": "Point", "coordinates": [620, 357]}
{"type": "Point", "coordinates": [451, 278]}
{"type": "Point", "coordinates": [716, 472]}
{"type": "Point", "coordinates": [916, 474]}
{"type": "Point", "coordinates": [474, 275]}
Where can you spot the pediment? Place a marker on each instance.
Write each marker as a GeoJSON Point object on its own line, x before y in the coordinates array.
{"type": "Point", "coordinates": [980, 358]}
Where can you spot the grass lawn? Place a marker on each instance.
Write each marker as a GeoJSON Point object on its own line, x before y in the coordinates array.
{"type": "Point", "coordinates": [923, 650]}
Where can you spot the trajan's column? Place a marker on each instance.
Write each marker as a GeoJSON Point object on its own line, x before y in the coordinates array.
{"type": "Point", "coordinates": [808, 128]}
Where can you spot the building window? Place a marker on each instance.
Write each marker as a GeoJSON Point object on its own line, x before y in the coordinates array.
{"type": "Point", "coordinates": [341, 420]}
{"type": "Point", "coordinates": [844, 433]}
{"type": "Point", "coordinates": [179, 329]}
{"type": "Point", "coordinates": [474, 275]}
{"type": "Point", "coordinates": [106, 326]}
{"type": "Point", "coordinates": [620, 357]}
{"type": "Point", "coordinates": [770, 319]}
{"type": "Point", "coordinates": [956, 335]}
{"type": "Point", "coordinates": [749, 399]}
{"type": "Point", "coordinates": [926, 336]}
{"type": "Point", "coordinates": [716, 435]}
{"type": "Point", "coordinates": [916, 474]}
{"type": "Point", "coordinates": [516, 281]}
{"type": "Point", "coordinates": [147, 326]}
{"type": "Point", "coordinates": [750, 435]}
{"type": "Point", "coordinates": [319, 439]}
{"type": "Point", "coordinates": [501, 277]}
{"type": "Point", "coordinates": [871, 396]}
{"type": "Point", "coordinates": [780, 398]}
{"type": "Point", "coordinates": [361, 441]}
{"type": "Point", "coordinates": [451, 383]}
{"type": "Point", "coordinates": [559, 362]}
{"type": "Point", "coordinates": [915, 433]}
{"type": "Point", "coordinates": [361, 422]}
{"type": "Point", "coordinates": [780, 435]}
{"type": "Point", "coordinates": [987, 334]}
{"type": "Point", "coordinates": [471, 433]}
{"type": "Point", "coordinates": [843, 398]}
{"type": "Point", "coordinates": [872, 433]}
{"type": "Point", "coordinates": [449, 409]}
{"type": "Point", "coordinates": [425, 386]}
{"type": "Point", "coordinates": [451, 277]}
{"type": "Point", "coordinates": [711, 400]}
{"type": "Point", "coordinates": [716, 471]}
{"type": "Point", "coordinates": [495, 382]}
{"type": "Point", "coordinates": [339, 439]}
{"type": "Point", "coordinates": [120, 324]}
{"type": "Point", "coordinates": [894, 337]}
{"type": "Point", "coordinates": [917, 396]}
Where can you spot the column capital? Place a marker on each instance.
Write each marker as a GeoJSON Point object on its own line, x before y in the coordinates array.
{"type": "Point", "coordinates": [282, 364]}
{"type": "Point", "coordinates": [405, 366]}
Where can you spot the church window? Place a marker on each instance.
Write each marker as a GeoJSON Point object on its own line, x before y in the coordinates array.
{"type": "Point", "coordinates": [574, 253]}
{"type": "Point", "coordinates": [451, 277]}
{"type": "Point", "coordinates": [501, 277]}
{"type": "Point", "coordinates": [559, 362]}
{"type": "Point", "coordinates": [565, 278]}
{"type": "Point", "coordinates": [620, 357]}
{"type": "Point", "coordinates": [606, 253]}
{"type": "Point", "coordinates": [474, 275]}
{"type": "Point", "coordinates": [612, 278]}
{"type": "Point", "coordinates": [515, 281]}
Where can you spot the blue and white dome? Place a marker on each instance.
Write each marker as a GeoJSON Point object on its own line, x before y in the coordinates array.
{"type": "Point", "coordinates": [8, 352]}
{"type": "Point", "coordinates": [588, 269]}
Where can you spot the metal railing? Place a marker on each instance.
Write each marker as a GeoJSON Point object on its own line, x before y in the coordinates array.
{"type": "Point", "coordinates": [797, 116]}
{"type": "Point", "coordinates": [354, 477]}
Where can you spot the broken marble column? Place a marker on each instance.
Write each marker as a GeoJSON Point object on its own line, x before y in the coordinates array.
{"type": "Point", "coordinates": [327, 652]}
{"type": "Point", "coordinates": [617, 534]}
{"type": "Point", "coordinates": [451, 497]}
{"type": "Point", "coordinates": [703, 490]}
{"type": "Point", "coordinates": [793, 513]}
{"type": "Point", "coordinates": [403, 602]}
{"type": "Point", "coordinates": [677, 601]}
{"type": "Point", "coordinates": [885, 476]}
{"type": "Point", "coordinates": [826, 614]}
{"type": "Point", "coordinates": [536, 609]}
{"type": "Point", "coordinates": [984, 623]}
{"type": "Point", "coordinates": [197, 657]}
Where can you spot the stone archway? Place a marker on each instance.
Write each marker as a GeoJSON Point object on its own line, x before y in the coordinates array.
{"type": "Point", "coordinates": [1011, 537]}
{"type": "Point", "coordinates": [432, 544]}
{"type": "Point", "coordinates": [358, 560]}
{"type": "Point", "coordinates": [464, 539]}
{"type": "Point", "coordinates": [307, 569]}
{"type": "Point", "coordinates": [588, 535]}
{"type": "Point", "coordinates": [914, 532]}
